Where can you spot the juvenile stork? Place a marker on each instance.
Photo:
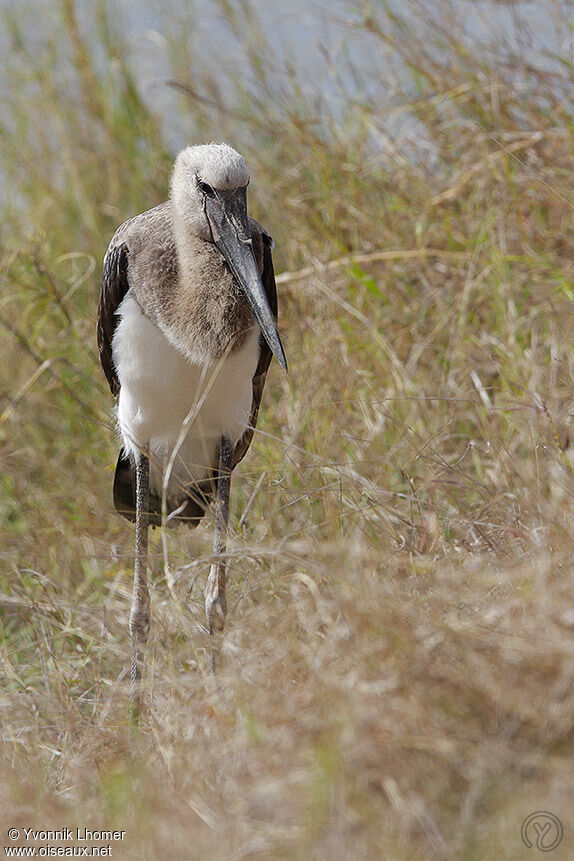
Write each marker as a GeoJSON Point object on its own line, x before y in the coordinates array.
{"type": "Point", "coordinates": [186, 330]}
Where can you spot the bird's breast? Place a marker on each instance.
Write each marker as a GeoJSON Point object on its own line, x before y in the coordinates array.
{"type": "Point", "coordinates": [203, 311]}
{"type": "Point", "coordinates": [162, 391]}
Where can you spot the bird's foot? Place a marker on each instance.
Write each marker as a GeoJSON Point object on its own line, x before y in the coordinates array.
{"type": "Point", "coordinates": [216, 610]}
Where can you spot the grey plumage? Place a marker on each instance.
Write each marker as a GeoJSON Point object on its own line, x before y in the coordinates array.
{"type": "Point", "coordinates": [186, 330]}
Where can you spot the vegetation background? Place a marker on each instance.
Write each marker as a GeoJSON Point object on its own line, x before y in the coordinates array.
{"type": "Point", "coordinates": [397, 676]}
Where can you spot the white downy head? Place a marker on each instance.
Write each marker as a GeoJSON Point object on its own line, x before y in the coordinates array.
{"type": "Point", "coordinates": [199, 169]}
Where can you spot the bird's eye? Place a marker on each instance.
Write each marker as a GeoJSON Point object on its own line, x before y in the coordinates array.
{"type": "Point", "coordinates": [205, 188]}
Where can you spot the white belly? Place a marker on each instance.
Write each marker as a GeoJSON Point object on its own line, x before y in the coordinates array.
{"type": "Point", "coordinates": [161, 391]}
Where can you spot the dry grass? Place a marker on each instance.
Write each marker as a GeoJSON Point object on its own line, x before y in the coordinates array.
{"type": "Point", "coordinates": [397, 675]}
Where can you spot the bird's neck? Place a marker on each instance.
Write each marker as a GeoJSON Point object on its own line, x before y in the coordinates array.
{"type": "Point", "coordinates": [205, 290]}
{"type": "Point", "coordinates": [188, 231]}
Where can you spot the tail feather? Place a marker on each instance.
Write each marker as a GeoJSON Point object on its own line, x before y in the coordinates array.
{"type": "Point", "coordinates": [190, 513]}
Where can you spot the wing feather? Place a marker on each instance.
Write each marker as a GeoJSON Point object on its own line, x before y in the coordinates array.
{"type": "Point", "coordinates": [114, 287]}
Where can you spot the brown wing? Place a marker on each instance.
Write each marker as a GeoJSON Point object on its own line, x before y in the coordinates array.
{"type": "Point", "coordinates": [268, 279]}
{"type": "Point", "coordinates": [114, 287]}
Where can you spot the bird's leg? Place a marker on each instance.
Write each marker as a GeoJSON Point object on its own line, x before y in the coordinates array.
{"type": "Point", "coordinates": [215, 602]}
{"type": "Point", "coordinates": [140, 609]}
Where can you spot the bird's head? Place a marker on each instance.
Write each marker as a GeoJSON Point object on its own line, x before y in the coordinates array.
{"type": "Point", "coordinates": [209, 197]}
{"type": "Point", "coordinates": [201, 173]}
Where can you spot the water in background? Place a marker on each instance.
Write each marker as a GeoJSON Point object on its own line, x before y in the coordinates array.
{"type": "Point", "coordinates": [322, 44]}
